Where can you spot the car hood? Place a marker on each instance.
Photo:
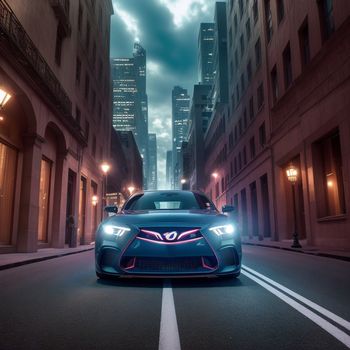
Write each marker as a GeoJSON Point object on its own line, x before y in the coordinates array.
{"type": "Point", "coordinates": [192, 218]}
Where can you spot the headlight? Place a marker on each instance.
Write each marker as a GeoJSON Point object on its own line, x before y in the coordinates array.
{"type": "Point", "coordinates": [117, 231]}
{"type": "Point", "coordinates": [223, 230]}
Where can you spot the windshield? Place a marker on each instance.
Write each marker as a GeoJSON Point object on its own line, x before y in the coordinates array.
{"type": "Point", "coordinates": [169, 201]}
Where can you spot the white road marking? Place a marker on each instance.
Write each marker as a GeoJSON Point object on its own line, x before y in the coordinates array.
{"type": "Point", "coordinates": [327, 326]}
{"type": "Point", "coordinates": [335, 318]}
{"type": "Point", "coordinates": [169, 334]}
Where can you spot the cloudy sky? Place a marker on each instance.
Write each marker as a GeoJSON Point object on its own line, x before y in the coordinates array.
{"type": "Point", "coordinates": [168, 30]}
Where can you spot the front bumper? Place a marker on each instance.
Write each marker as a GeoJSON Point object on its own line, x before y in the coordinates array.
{"type": "Point", "coordinates": [203, 257]}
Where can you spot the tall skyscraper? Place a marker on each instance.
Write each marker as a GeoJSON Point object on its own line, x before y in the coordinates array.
{"type": "Point", "coordinates": [219, 92]}
{"type": "Point", "coordinates": [125, 108]}
{"type": "Point", "coordinates": [142, 122]}
{"type": "Point", "coordinates": [180, 115]}
{"type": "Point", "coordinates": [152, 160]}
{"type": "Point", "coordinates": [130, 105]}
{"type": "Point", "coordinates": [206, 53]}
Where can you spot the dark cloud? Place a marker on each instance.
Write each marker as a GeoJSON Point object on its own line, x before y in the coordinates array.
{"type": "Point", "coordinates": [171, 54]}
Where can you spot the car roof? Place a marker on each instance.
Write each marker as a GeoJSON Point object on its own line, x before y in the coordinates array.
{"type": "Point", "coordinates": [167, 191]}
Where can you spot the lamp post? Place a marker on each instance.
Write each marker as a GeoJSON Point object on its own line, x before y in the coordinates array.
{"type": "Point", "coordinates": [105, 167]}
{"type": "Point", "coordinates": [292, 176]}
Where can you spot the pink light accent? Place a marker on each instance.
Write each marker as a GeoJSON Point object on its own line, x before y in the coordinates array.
{"type": "Point", "coordinates": [206, 266]}
{"type": "Point", "coordinates": [170, 243]}
{"type": "Point", "coordinates": [132, 264]}
{"type": "Point", "coordinates": [155, 234]}
{"type": "Point", "coordinates": [186, 233]}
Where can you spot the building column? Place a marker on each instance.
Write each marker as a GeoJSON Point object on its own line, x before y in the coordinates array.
{"type": "Point", "coordinates": [27, 238]}
{"type": "Point", "coordinates": [260, 209]}
{"type": "Point", "coordinates": [88, 213]}
{"type": "Point", "coordinates": [249, 212]}
{"type": "Point", "coordinates": [60, 201]}
{"type": "Point", "coordinates": [76, 206]}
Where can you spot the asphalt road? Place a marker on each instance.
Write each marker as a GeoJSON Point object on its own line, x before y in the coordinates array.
{"type": "Point", "coordinates": [282, 300]}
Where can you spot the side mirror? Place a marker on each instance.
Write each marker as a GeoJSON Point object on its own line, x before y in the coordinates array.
{"type": "Point", "coordinates": [113, 209]}
{"type": "Point", "coordinates": [228, 208]}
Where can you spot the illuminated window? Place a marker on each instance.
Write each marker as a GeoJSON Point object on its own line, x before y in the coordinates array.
{"type": "Point", "coordinates": [328, 174]}
{"type": "Point", "coordinates": [8, 161]}
{"type": "Point", "coordinates": [44, 199]}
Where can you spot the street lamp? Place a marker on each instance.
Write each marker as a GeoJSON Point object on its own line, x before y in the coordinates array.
{"type": "Point", "coordinates": [292, 176]}
{"type": "Point", "coordinates": [105, 167]}
{"type": "Point", "coordinates": [131, 189]}
{"type": "Point", "coordinates": [215, 175]}
{"type": "Point", "coordinates": [183, 181]}
{"type": "Point", "coordinates": [4, 98]}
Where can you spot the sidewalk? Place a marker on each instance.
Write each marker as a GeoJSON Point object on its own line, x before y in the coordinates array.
{"type": "Point", "coordinates": [306, 249]}
{"type": "Point", "coordinates": [8, 261]}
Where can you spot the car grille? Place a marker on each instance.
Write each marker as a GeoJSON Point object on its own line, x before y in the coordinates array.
{"type": "Point", "coordinates": [169, 265]}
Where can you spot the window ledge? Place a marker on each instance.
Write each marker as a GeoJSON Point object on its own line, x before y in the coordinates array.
{"type": "Point", "coordinates": [332, 218]}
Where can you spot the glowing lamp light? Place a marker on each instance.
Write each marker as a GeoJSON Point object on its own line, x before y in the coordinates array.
{"type": "Point", "coordinates": [183, 181]}
{"type": "Point", "coordinates": [131, 189]}
{"type": "Point", "coordinates": [4, 98]}
{"type": "Point", "coordinates": [215, 175]}
{"type": "Point", "coordinates": [292, 174]}
{"type": "Point", "coordinates": [105, 167]}
{"type": "Point", "coordinates": [2, 118]}
{"type": "Point", "coordinates": [94, 200]}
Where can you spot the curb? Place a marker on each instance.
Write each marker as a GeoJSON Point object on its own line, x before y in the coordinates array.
{"type": "Point", "coordinates": [325, 255]}
{"type": "Point", "coordinates": [34, 260]}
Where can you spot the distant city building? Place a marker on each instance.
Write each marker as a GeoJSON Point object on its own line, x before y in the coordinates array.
{"type": "Point", "coordinates": [199, 117]}
{"type": "Point", "coordinates": [219, 93]}
{"type": "Point", "coordinates": [180, 115]}
{"type": "Point", "coordinates": [133, 161]}
{"type": "Point", "coordinates": [169, 168]}
{"type": "Point", "coordinates": [130, 105]}
{"type": "Point", "coordinates": [206, 53]}
{"type": "Point", "coordinates": [55, 128]}
{"type": "Point", "coordinates": [126, 167]}
{"type": "Point", "coordinates": [152, 151]}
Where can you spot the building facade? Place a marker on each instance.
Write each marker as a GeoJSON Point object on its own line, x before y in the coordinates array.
{"type": "Point", "coordinates": [153, 176]}
{"type": "Point", "coordinates": [54, 131]}
{"type": "Point", "coordinates": [308, 60]}
{"type": "Point", "coordinates": [180, 115]}
{"type": "Point", "coordinates": [288, 78]}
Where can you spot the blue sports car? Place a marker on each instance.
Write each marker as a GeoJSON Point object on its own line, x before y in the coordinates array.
{"type": "Point", "coordinates": [168, 233]}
